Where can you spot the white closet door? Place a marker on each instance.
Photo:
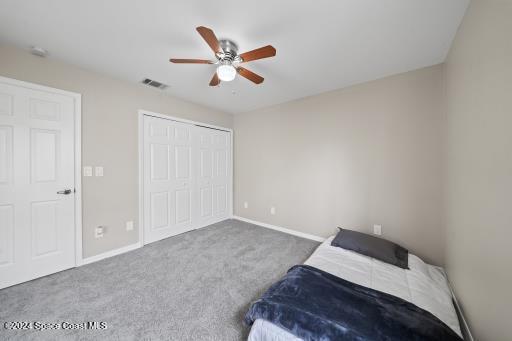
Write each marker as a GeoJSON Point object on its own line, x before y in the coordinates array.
{"type": "Point", "coordinates": [221, 174]}
{"type": "Point", "coordinates": [205, 162]}
{"type": "Point", "coordinates": [183, 180]}
{"type": "Point", "coordinates": [168, 178]}
{"type": "Point", "coordinates": [187, 177]}
{"type": "Point", "coordinates": [37, 225]}
{"type": "Point", "coordinates": [214, 178]}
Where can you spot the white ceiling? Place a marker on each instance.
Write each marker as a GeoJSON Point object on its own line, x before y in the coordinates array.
{"type": "Point", "coordinates": [321, 45]}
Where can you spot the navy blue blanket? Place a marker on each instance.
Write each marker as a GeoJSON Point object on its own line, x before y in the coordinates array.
{"type": "Point", "coordinates": [315, 305]}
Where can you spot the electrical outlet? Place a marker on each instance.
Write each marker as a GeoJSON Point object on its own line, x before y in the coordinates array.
{"type": "Point", "coordinates": [99, 231]}
{"type": "Point", "coordinates": [87, 171]}
{"type": "Point", "coordinates": [377, 229]}
{"type": "Point", "coordinates": [246, 204]}
{"type": "Point", "coordinates": [273, 210]}
{"type": "Point", "coordinates": [129, 226]}
{"type": "Point", "coordinates": [98, 171]}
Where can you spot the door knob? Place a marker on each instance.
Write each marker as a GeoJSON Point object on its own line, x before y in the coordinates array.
{"type": "Point", "coordinates": [65, 192]}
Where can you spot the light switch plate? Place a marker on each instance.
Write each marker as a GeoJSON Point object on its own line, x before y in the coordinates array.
{"type": "Point", "coordinates": [273, 210]}
{"type": "Point", "coordinates": [246, 204]}
{"type": "Point", "coordinates": [377, 230]}
{"type": "Point", "coordinates": [129, 226]}
{"type": "Point", "coordinates": [87, 171]}
{"type": "Point", "coordinates": [98, 171]}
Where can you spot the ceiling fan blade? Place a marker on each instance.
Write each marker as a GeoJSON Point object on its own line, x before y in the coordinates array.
{"type": "Point", "coordinates": [249, 75]}
{"type": "Point", "coordinates": [215, 80]}
{"type": "Point", "coordinates": [262, 52]}
{"type": "Point", "coordinates": [210, 38]}
{"type": "Point", "coordinates": [190, 61]}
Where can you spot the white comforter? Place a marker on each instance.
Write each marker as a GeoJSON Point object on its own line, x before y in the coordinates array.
{"type": "Point", "coordinates": [423, 285]}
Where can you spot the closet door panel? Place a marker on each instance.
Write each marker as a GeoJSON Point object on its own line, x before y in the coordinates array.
{"type": "Point", "coordinates": [183, 182]}
{"type": "Point", "coordinates": [221, 174]}
{"type": "Point", "coordinates": [204, 176]}
{"type": "Point", "coordinates": [182, 162]}
{"type": "Point", "coordinates": [183, 206]}
{"type": "Point", "coordinates": [206, 201]}
{"type": "Point", "coordinates": [168, 178]}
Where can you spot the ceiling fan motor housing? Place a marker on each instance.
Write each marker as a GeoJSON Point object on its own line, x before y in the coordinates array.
{"type": "Point", "coordinates": [230, 51]}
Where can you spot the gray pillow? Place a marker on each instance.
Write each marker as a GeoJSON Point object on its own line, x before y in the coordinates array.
{"type": "Point", "coordinates": [371, 246]}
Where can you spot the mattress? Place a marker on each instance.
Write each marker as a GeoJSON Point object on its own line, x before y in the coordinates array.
{"type": "Point", "coordinates": [423, 285]}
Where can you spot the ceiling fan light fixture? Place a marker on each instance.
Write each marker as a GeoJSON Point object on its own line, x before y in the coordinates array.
{"type": "Point", "coordinates": [226, 72]}
{"type": "Point", "coordinates": [226, 54]}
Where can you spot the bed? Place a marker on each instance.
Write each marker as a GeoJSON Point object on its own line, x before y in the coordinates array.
{"type": "Point", "coordinates": [422, 285]}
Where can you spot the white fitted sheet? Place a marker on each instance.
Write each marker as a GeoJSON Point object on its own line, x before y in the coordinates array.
{"type": "Point", "coordinates": [423, 285]}
{"type": "Point", "coordinates": [262, 330]}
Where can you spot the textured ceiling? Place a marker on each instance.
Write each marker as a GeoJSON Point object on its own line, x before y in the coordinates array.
{"type": "Point", "coordinates": [321, 45]}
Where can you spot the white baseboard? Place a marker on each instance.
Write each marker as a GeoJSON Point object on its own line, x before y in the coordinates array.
{"type": "Point", "coordinates": [126, 248]}
{"type": "Point", "coordinates": [111, 253]}
{"type": "Point", "coordinates": [281, 229]}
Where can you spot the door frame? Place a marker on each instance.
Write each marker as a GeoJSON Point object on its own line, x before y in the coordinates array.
{"type": "Point", "coordinates": [141, 114]}
{"type": "Point", "coordinates": [77, 100]}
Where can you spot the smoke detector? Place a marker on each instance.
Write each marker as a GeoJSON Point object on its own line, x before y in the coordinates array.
{"type": "Point", "coordinates": [154, 84]}
{"type": "Point", "coordinates": [38, 51]}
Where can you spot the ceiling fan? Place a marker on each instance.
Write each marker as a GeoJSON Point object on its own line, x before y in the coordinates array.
{"type": "Point", "coordinates": [228, 59]}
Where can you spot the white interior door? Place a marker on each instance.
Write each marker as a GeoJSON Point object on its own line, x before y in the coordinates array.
{"type": "Point", "coordinates": [37, 225]}
{"type": "Point", "coordinates": [186, 177]}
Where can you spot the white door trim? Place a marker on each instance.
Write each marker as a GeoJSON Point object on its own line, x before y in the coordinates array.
{"type": "Point", "coordinates": [77, 99]}
{"type": "Point", "coordinates": [141, 114]}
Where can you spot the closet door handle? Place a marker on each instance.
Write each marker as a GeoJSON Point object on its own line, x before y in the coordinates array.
{"type": "Point", "coordinates": [65, 192]}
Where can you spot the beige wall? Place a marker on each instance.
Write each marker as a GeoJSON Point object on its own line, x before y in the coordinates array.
{"type": "Point", "coordinates": [109, 138]}
{"type": "Point", "coordinates": [369, 154]}
{"type": "Point", "coordinates": [479, 167]}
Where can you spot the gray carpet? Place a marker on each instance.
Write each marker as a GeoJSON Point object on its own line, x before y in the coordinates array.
{"type": "Point", "coordinates": [195, 286]}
